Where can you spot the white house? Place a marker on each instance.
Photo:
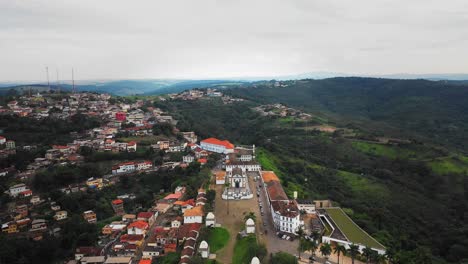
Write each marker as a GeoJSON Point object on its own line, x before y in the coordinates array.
{"type": "Point", "coordinates": [124, 167]}
{"type": "Point", "coordinates": [286, 216]}
{"type": "Point", "coordinates": [144, 165]}
{"type": "Point", "coordinates": [15, 190]}
{"type": "Point", "coordinates": [188, 159]}
{"type": "Point", "coordinates": [194, 215]}
{"type": "Point", "coordinates": [216, 145]}
{"type": "Point", "coordinates": [137, 228]}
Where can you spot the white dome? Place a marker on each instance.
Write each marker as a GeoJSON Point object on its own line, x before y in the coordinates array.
{"type": "Point", "coordinates": [255, 260]}
{"type": "Point", "coordinates": [250, 222]}
{"type": "Point", "coordinates": [210, 215]}
{"type": "Point", "coordinates": [203, 245]}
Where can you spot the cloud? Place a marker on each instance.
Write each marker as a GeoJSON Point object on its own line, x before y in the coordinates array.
{"type": "Point", "coordinates": [212, 39]}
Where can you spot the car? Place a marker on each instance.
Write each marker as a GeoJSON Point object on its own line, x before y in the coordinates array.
{"type": "Point", "coordinates": [264, 224]}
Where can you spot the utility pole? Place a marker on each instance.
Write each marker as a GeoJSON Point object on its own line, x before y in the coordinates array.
{"type": "Point", "coordinates": [47, 71]}
{"type": "Point", "coordinates": [73, 81]}
{"type": "Point", "coordinates": [58, 83]}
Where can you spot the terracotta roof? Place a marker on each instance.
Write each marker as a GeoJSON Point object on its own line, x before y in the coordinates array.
{"type": "Point", "coordinates": [275, 191]}
{"type": "Point", "coordinates": [132, 143]}
{"type": "Point", "coordinates": [145, 261]}
{"type": "Point", "coordinates": [173, 196]}
{"type": "Point", "coordinates": [269, 176]}
{"type": "Point", "coordinates": [202, 161]}
{"type": "Point", "coordinates": [287, 209]}
{"type": "Point", "coordinates": [196, 211]}
{"type": "Point", "coordinates": [220, 175]}
{"type": "Point", "coordinates": [216, 141]}
{"type": "Point", "coordinates": [117, 201]}
{"type": "Point", "coordinates": [138, 224]}
{"type": "Point", "coordinates": [131, 238]}
{"type": "Point", "coordinates": [185, 229]}
{"type": "Point", "coordinates": [146, 215]}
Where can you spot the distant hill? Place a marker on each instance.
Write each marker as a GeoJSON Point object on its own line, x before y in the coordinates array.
{"type": "Point", "coordinates": [126, 87]}
{"type": "Point", "coordinates": [436, 109]}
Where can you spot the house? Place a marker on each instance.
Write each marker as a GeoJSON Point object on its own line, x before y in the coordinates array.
{"type": "Point", "coordinates": [2, 140]}
{"type": "Point", "coordinates": [90, 217]}
{"type": "Point", "coordinates": [118, 260]}
{"type": "Point", "coordinates": [22, 210]}
{"type": "Point", "coordinates": [185, 229]}
{"type": "Point", "coordinates": [128, 217]}
{"type": "Point", "coordinates": [149, 217]}
{"type": "Point", "coordinates": [137, 228]}
{"type": "Point", "coordinates": [124, 167]}
{"type": "Point", "coordinates": [216, 145]}
{"type": "Point", "coordinates": [95, 183]}
{"type": "Point", "coordinates": [184, 205]}
{"type": "Point", "coordinates": [191, 137]}
{"type": "Point", "coordinates": [118, 207]}
{"type": "Point", "coordinates": [188, 159]}
{"type": "Point", "coordinates": [194, 215]}
{"type": "Point", "coordinates": [35, 200]}
{"type": "Point", "coordinates": [220, 177]}
{"type": "Point", "coordinates": [153, 251]}
{"type": "Point", "coordinates": [93, 260]}
{"type": "Point", "coordinates": [113, 227]}
{"type": "Point", "coordinates": [163, 145]}
{"type": "Point", "coordinates": [143, 165]}
{"type": "Point", "coordinates": [132, 239]}
{"type": "Point", "coordinates": [38, 225]}
{"type": "Point", "coordinates": [306, 206]}
{"type": "Point", "coordinates": [132, 146]}
{"type": "Point", "coordinates": [10, 144]}
{"type": "Point", "coordinates": [81, 252]}
{"type": "Point", "coordinates": [60, 215]}
{"type": "Point", "coordinates": [120, 116]}
{"type": "Point", "coordinates": [15, 190]}
{"type": "Point", "coordinates": [176, 223]}
{"type": "Point", "coordinates": [10, 227]}
{"type": "Point", "coordinates": [163, 206]}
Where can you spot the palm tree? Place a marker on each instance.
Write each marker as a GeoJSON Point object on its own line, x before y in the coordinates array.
{"type": "Point", "coordinates": [353, 252]}
{"type": "Point", "coordinates": [302, 246]}
{"type": "Point", "coordinates": [367, 252]}
{"type": "Point", "coordinates": [313, 247]}
{"type": "Point", "coordinates": [338, 250]}
{"type": "Point", "coordinates": [326, 250]}
{"type": "Point", "coordinates": [227, 185]}
{"type": "Point", "coordinates": [315, 235]}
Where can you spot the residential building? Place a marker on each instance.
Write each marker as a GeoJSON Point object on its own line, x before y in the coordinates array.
{"type": "Point", "coordinates": [216, 145]}
{"type": "Point", "coordinates": [194, 215]}
{"type": "Point", "coordinates": [90, 217]}
{"type": "Point", "coordinates": [60, 215]}
{"type": "Point", "coordinates": [118, 207]}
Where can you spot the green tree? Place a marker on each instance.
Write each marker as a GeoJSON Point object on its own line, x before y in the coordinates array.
{"type": "Point", "coordinates": [325, 250]}
{"type": "Point", "coordinates": [250, 215]}
{"type": "Point", "coordinates": [339, 249]}
{"type": "Point", "coordinates": [367, 253]}
{"type": "Point", "coordinates": [353, 251]}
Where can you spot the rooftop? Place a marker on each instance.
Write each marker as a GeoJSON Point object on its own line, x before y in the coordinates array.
{"type": "Point", "coordinates": [351, 230]}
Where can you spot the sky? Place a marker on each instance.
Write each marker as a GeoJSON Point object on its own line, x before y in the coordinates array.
{"type": "Point", "coordinates": [200, 39]}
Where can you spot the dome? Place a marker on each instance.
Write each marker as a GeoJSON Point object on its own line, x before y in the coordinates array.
{"type": "Point", "coordinates": [210, 215]}
{"type": "Point", "coordinates": [250, 222]}
{"type": "Point", "coordinates": [255, 260]}
{"type": "Point", "coordinates": [203, 245]}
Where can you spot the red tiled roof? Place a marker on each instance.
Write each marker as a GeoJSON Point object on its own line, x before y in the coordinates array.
{"type": "Point", "coordinates": [117, 201]}
{"type": "Point", "coordinates": [132, 143]}
{"type": "Point", "coordinates": [145, 261]}
{"type": "Point", "coordinates": [130, 238]}
{"type": "Point", "coordinates": [216, 141]}
{"type": "Point", "coordinates": [173, 196]}
{"type": "Point", "coordinates": [275, 191]}
{"type": "Point", "coordinates": [146, 215]}
{"type": "Point", "coordinates": [185, 229]}
{"type": "Point", "coordinates": [138, 224]}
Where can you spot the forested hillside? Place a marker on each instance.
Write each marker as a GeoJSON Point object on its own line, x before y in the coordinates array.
{"type": "Point", "coordinates": [435, 110]}
{"type": "Point", "coordinates": [411, 197]}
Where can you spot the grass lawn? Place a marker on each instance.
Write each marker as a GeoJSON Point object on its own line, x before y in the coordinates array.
{"type": "Point", "coordinates": [218, 238]}
{"type": "Point", "coordinates": [241, 249]}
{"type": "Point", "coordinates": [351, 230]}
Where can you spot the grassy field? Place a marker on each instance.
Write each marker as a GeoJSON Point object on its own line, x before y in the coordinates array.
{"type": "Point", "coordinates": [241, 249]}
{"type": "Point", "coordinates": [351, 230]}
{"type": "Point", "coordinates": [450, 165]}
{"type": "Point", "coordinates": [267, 161]}
{"type": "Point", "coordinates": [146, 140]}
{"type": "Point", "coordinates": [360, 184]}
{"type": "Point", "coordinates": [218, 238]}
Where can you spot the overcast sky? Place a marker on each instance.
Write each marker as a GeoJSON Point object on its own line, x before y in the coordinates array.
{"type": "Point", "coordinates": [112, 39]}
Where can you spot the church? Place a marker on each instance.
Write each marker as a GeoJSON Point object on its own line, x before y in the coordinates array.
{"type": "Point", "coordinates": [237, 185]}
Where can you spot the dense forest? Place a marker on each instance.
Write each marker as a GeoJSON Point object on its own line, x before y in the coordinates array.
{"type": "Point", "coordinates": [435, 110]}
{"type": "Point", "coordinates": [408, 196]}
